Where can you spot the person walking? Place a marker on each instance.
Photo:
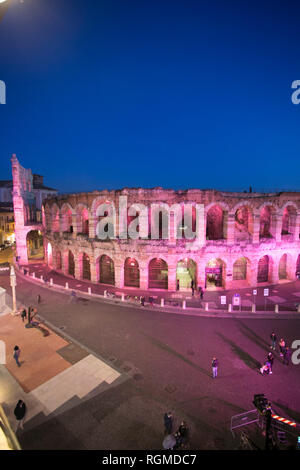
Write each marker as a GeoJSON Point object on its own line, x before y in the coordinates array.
{"type": "Point", "coordinates": [177, 284]}
{"type": "Point", "coordinates": [168, 420]}
{"type": "Point", "coordinates": [273, 339]}
{"type": "Point", "coordinates": [19, 412]}
{"type": "Point", "coordinates": [282, 347]}
{"type": "Point", "coordinates": [193, 287]}
{"type": "Point", "coordinates": [270, 360]}
{"type": "Point", "coordinates": [16, 355]}
{"type": "Point", "coordinates": [214, 365]}
{"type": "Point", "coordinates": [23, 314]}
{"type": "Point", "coordinates": [201, 292]}
{"type": "Point", "coordinates": [286, 356]}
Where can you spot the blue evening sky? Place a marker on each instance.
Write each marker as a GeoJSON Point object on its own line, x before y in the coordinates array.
{"type": "Point", "coordinates": [144, 93]}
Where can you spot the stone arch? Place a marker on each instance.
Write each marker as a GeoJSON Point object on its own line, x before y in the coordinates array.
{"type": "Point", "coordinates": [158, 274]}
{"type": "Point", "coordinates": [106, 269]}
{"type": "Point", "coordinates": [131, 273]}
{"type": "Point", "coordinates": [285, 267]}
{"type": "Point", "coordinates": [55, 216]}
{"type": "Point", "coordinates": [241, 269]}
{"type": "Point", "coordinates": [216, 226]}
{"type": "Point", "coordinates": [243, 223]}
{"type": "Point", "coordinates": [267, 226]}
{"type": "Point", "coordinates": [159, 221]}
{"type": "Point", "coordinates": [84, 266]}
{"type": "Point", "coordinates": [35, 244]}
{"type": "Point", "coordinates": [67, 218]}
{"type": "Point", "coordinates": [186, 273]}
{"type": "Point", "coordinates": [289, 216]}
{"type": "Point", "coordinates": [215, 273]}
{"type": "Point", "coordinates": [264, 269]}
{"type": "Point", "coordinates": [82, 219]}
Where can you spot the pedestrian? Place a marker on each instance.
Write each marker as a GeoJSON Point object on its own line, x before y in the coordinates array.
{"type": "Point", "coordinates": [201, 292]}
{"type": "Point", "coordinates": [273, 339]}
{"type": "Point", "coordinates": [193, 287]}
{"type": "Point", "coordinates": [23, 314]}
{"type": "Point", "coordinates": [39, 299]}
{"type": "Point", "coordinates": [177, 284]}
{"type": "Point", "coordinates": [183, 434]}
{"type": "Point", "coordinates": [168, 420]}
{"type": "Point", "coordinates": [73, 296]}
{"type": "Point", "coordinates": [142, 300]}
{"type": "Point", "coordinates": [16, 355]}
{"type": "Point", "coordinates": [270, 360]}
{"type": "Point", "coordinates": [282, 347]}
{"type": "Point", "coordinates": [214, 365]}
{"type": "Point", "coordinates": [287, 356]}
{"type": "Point", "coordinates": [19, 412]}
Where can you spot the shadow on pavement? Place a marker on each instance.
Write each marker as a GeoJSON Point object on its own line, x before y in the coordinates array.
{"type": "Point", "coordinates": [243, 355]}
{"type": "Point", "coordinates": [250, 334]}
{"type": "Point", "coordinates": [167, 348]}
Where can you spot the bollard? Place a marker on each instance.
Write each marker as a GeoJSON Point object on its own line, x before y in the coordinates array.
{"type": "Point", "coordinates": [33, 274]}
{"type": "Point", "coordinates": [184, 304]}
{"type": "Point", "coordinates": [105, 293]}
{"type": "Point", "coordinates": [123, 297]}
{"type": "Point", "coordinates": [67, 285]}
{"type": "Point", "coordinates": [89, 290]}
{"type": "Point", "coordinates": [162, 302]}
{"type": "Point", "coordinates": [253, 308]}
{"type": "Point", "coordinates": [51, 282]}
{"type": "Point", "coordinates": [42, 277]}
{"type": "Point", "coordinates": [229, 308]}
{"type": "Point", "coordinates": [276, 308]}
{"type": "Point", "coordinates": [206, 306]}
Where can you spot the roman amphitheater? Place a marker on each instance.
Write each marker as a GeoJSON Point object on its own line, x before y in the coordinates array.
{"type": "Point", "coordinates": [243, 239]}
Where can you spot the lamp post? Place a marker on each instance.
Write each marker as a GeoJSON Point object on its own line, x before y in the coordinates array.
{"type": "Point", "coordinates": [13, 283]}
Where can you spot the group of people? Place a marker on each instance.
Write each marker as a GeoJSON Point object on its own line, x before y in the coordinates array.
{"type": "Point", "coordinates": [284, 351]}
{"type": "Point", "coordinates": [178, 439]}
{"type": "Point", "coordinates": [193, 287]}
{"type": "Point", "coordinates": [28, 314]}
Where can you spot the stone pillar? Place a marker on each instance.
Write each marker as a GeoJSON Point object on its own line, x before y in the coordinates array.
{"type": "Point", "coordinates": [201, 273]}
{"type": "Point", "coordinates": [297, 228]}
{"type": "Point", "coordinates": [172, 229]}
{"type": "Point", "coordinates": [75, 225]}
{"type": "Point", "coordinates": [78, 267]}
{"type": "Point", "coordinates": [273, 271]}
{"type": "Point", "coordinates": [277, 227]}
{"type": "Point", "coordinates": [201, 225]}
{"type": "Point", "coordinates": [65, 262]}
{"type": "Point", "coordinates": [252, 278]}
{"type": "Point", "coordinates": [93, 269]}
{"type": "Point", "coordinates": [92, 226]}
{"type": "Point", "coordinates": [256, 227]}
{"type": "Point", "coordinates": [61, 227]}
{"type": "Point", "coordinates": [172, 277]}
{"type": "Point", "coordinates": [230, 229]}
{"type": "Point", "coordinates": [144, 276]}
{"type": "Point", "coordinates": [119, 274]}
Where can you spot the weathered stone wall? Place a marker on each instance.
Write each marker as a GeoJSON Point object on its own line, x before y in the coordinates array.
{"type": "Point", "coordinates": [231, 226]}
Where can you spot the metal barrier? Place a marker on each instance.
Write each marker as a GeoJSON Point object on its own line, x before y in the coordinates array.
{"type": "Point", "coordinates": [244, 419]}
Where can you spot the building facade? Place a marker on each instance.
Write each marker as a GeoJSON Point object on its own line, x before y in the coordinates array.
{"type": "Point", "coordinates": [241, 239]}
{"type": "Point", "coordinates": [28, 193]}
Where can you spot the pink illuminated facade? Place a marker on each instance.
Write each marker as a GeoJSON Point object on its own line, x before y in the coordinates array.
{"type": "Point", "coordinates": [243, 239]}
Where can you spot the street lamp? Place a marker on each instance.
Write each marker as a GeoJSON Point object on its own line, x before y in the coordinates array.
{"type": "Point", "coordinates": [13, 283]}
